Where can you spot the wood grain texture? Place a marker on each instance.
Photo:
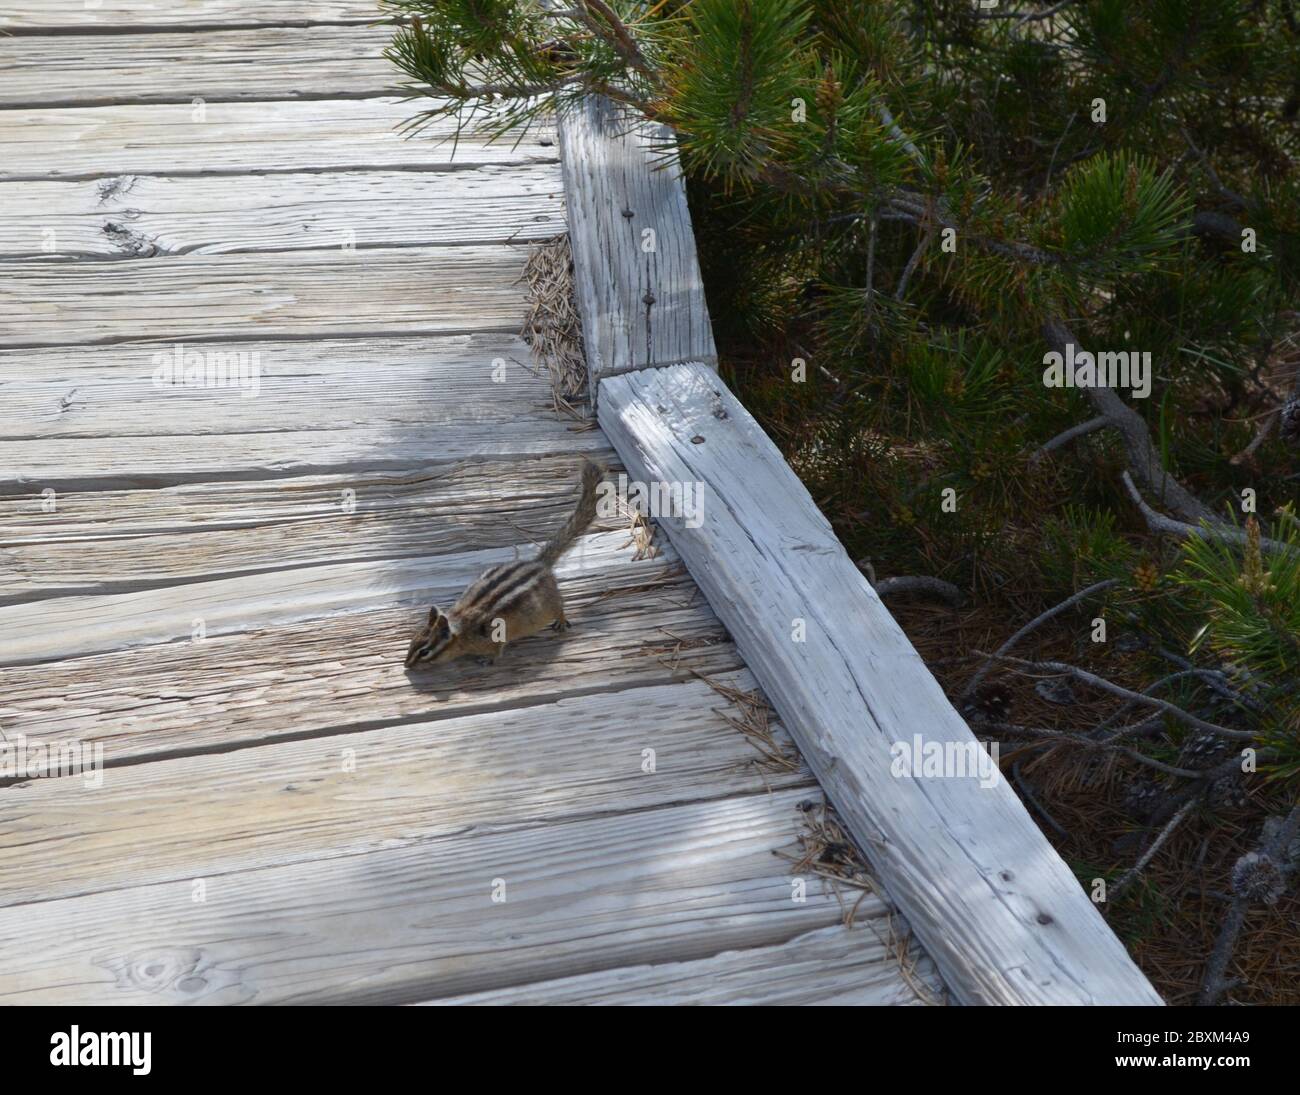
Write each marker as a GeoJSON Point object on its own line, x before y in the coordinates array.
{"type": "Point", "coordinates": [317, 294]}
{"type": "Point", "coordinates": [634, 624]}
{"type": "Point", "coordinates": [115, 143]}
{"type": "Point", "coordinates": [405, 924]}
{"type": "Point", "coordinates": [110, 417]}
{"type": "Point", "coordinates": [113, 541]}
{"type": "Point", "coordinates": [837, 966]}
{"type": "Point", "coordinates": [439, 381]}
{"type": "Point", "coordinates": [266, 63]}
{"type": "Point", "coordinates": [145, 14]}
{"type": "Point", "coordinates": [639, 308]}
{"type": "Point", "coordinates": [425, 781]}
{"type": "Point", "coordinates": [162, 460]}
{"type": "Point", "coordinates": [161, 215]}
{"type": "Point", "coordinates": [1001, 914]}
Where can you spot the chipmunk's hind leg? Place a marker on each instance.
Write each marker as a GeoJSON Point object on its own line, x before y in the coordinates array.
{"type": "Point", "coordinates": [554, 604]}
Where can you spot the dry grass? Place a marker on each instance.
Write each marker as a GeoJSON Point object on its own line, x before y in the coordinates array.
{"type": "Point", "coordinates": [828, 852]}
{"type": "Point", "coordinates": [553, 328]}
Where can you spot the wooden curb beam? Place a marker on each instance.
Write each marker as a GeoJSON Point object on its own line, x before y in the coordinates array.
{"type": "Point", "coordinates": [991, 901]}
{"type": "Point", "coordinates": [640, 293]}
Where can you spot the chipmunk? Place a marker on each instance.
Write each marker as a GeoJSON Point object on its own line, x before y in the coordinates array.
{"type": "Point", "coordinates": [510, 601]}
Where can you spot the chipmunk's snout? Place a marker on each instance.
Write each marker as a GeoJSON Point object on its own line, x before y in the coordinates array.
{"type": "Point", "coordinates": [416, 652]}
{"type": "Point", "coordinates": [432, 640]}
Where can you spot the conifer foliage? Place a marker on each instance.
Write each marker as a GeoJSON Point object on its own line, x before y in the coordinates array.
{"type": "Point", "coordinates": [925, 200]}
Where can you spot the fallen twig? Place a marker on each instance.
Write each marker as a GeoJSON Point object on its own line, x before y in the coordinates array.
{"type": "Point", "coordinates": [1101, 683]}
{"type": "Point", "coordinates": [1069, 602]}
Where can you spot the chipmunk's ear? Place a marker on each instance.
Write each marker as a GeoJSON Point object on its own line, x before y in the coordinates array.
{"type": "Point", "coordinates": [434, 613]}
{"type": "Point", "coordinates": [440, 624]}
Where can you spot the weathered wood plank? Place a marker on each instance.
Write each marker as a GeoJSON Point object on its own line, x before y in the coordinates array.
{"type": "Point", "coordinates": [317, 294]}
{"type": "Point", "coordinates": [106, 541]}
{"type": "Point", "coordinates": [991, 901]}
{"type": "Point", "coordinates": [185, 139]}
{"type": "Point", "coordinates": [836, 966]}
{"type": "Point", "coordinates": [157, 215]}
{"type": "Point", "coordinates": [67, 627]}
{"type": "Point", "coordinates": [641, 296]}
{"type": "Point", "coordinates": [406, 924]}
{"type": "Point", "coordinates": [267, 63]}
{"type": "Point", "coordinates": [120, 15]}
{"type": "Point", "coordinates": [634, 624]}
{"type": "Point", "coordinates": [163, 460]}
{"type": "Point", "coordinates": [441, 382]}
{"type": "Point", "coordinates": [317, 800]}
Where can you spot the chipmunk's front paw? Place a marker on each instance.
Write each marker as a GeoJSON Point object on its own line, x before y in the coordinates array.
{"type": "Point", "coordinates": [561, 625]}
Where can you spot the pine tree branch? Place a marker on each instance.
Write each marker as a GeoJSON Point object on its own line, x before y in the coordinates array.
{"type": "Point", "coordinates": [1217, 532]}
{"type": "Point", "coordinates": [1143, 459]}
{"type": "Point", "coordinates": [618, 36]}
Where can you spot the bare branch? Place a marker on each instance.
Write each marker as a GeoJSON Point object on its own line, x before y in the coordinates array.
{"type": "Point", "coordinates": [1275, 848]}
{"type": "Point", "coordinates": [1051, 613]}
{"type": "Point", "coordinates": [1100, 683]}
{"type": "Point", "coordinates": [1126, 879]}
{"type": "Point", "coordinates": [1143, 459]}
{"type": "Point", "coordinates": [1066, 436]}
{"type": "Point", "coordinates": [1216, 533]}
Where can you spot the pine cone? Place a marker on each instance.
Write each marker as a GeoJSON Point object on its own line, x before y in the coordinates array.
{"type": "Point", "coordinates": [991, 702]}
{"type": "Point", "coordinates": [1202, 751]}
{"type": "Point", "coordinates": [1227, 792]}
{"type": "Point", "coordinates": [1142, 797]}
{"type": "Point", "coordinates": [1289, 422]}
{"type": "Point", "coordinates": [1258, 878]}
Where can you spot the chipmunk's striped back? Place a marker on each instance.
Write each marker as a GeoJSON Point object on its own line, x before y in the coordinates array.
{"type": "Point", "coordinates": [509, 601]}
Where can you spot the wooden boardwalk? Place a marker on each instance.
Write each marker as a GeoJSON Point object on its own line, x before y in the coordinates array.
{"type": "Point", "coordinates": [215, 585]}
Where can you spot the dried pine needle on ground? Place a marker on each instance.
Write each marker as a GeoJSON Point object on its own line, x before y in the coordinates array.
{"type": "Point", "coordinates": [553, 328]}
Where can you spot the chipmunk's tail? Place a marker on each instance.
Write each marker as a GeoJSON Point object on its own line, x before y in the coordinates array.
{"type": "Point", "coordinates": [589, 477]}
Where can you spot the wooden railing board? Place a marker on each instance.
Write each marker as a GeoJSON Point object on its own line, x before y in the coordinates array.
{"type": "Point", "coordinates": [143, 15]}
{"type": "Point", "coordinates": [641, 296]}
{"type": "Point", "coordinates": [415, 783]}
{"type": "Point", "coordinates": [116, 143]}
{"type": "Point", "coordinates": [991, 901]}
{"type": "Point", "coordinates": [242, 297]}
